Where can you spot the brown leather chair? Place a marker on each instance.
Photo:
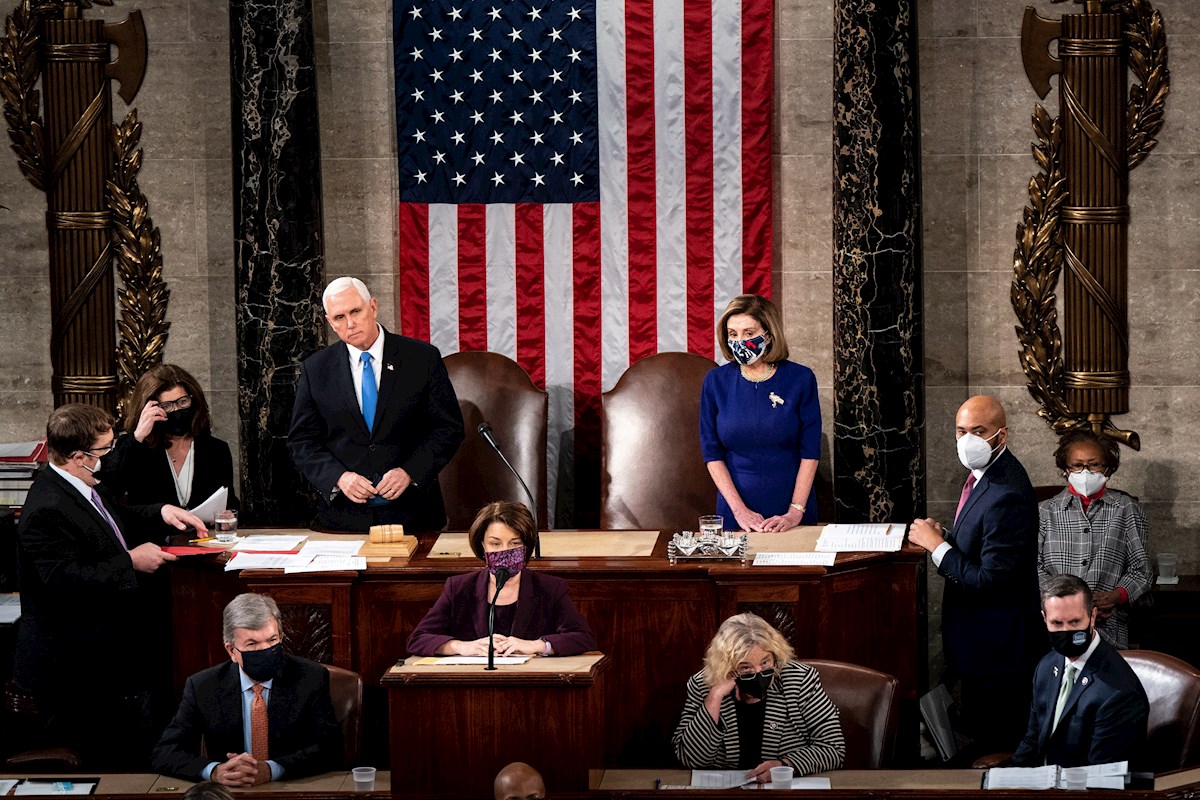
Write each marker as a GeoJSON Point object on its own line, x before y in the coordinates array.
{"type": "Point", "coordinates": [346, 693]}
{"type": "Point", "coordinates": [494, 388]}
{"type": "Point", "coordinates": [653, 476]}
{"type": "Point", "coordinates": [1173, 688]}
{"type": "Point", "coordinates": [869, 707]}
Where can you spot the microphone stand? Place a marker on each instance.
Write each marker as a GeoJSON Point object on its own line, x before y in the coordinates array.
{"type": "Point", "coordinates": [502, 577]}
{"type": "Point", "coordinates": [485, 430]}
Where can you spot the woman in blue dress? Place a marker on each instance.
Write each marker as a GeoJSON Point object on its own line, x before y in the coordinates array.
{"type": "Point", "coordinates": [760, 423]}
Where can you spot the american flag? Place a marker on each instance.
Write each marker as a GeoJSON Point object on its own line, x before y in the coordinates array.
{"type": "Point", "coordinates": [583, 183]}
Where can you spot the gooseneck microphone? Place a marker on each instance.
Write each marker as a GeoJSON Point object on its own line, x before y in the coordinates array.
{"type": "Point", "coordinates": [502, 576]}
{"type": "Point", "coordinates": [485, 430]}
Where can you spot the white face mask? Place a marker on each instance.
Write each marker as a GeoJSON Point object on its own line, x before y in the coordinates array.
{"type": "Point", "coordinates": [1087, 483]}
{"type": "Point", "coordinates": [974, 451]}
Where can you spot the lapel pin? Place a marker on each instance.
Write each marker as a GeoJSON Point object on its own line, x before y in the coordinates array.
{"type": "Point", "coordinates": [1084, 681]}
{"type": "Point", "coordinates": [1056, 672]}
{"type": "Point", "coordinates": [390, 367]}
{"type": "Point", "coordinates": [776, 400]}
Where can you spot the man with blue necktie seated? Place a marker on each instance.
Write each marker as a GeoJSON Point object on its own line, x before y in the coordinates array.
{"type": "Point", "coordinates": [81, 562]}
{"type": "Point", "coordinates": [374, 422]}
{"type": "Point", "coordinates": [1088, 705]}
{"type": "Point", "coordinates": [264, 716]}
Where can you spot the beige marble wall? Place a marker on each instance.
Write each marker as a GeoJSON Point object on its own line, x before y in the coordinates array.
{"type": "Point", "coordinates": [184, 107]}
{"type": "Point", "coordinates": [975, 107]}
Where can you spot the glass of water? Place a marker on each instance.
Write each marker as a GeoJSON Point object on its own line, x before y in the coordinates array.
{"type": "Point", "coordinates": [226, 523]}
{"type": "Point", "coordinates": [712, 525]}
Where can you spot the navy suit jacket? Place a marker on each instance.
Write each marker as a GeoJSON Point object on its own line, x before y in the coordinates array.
{"type": "Point", "coordinates": [544, 610]}
{"type": "Point", "coordinates": [990, 623]}
{"type": "Point", "coordinates": [80, 596]}
{"type": "Point", "coordinates": [303, 736]}
{"type": "Point", "coordinates": [1103, 720]}
{"type": "Point", "coordinates": [418, 426]}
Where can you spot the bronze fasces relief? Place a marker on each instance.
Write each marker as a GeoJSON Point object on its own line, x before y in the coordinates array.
{"type": "Point", "coordinates": [1076, 224]}
{"type": "Point", "coordinates": [55, 62]}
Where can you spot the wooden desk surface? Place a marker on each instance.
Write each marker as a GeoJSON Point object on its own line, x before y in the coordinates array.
{"type": "Point", "coordinates": [558, 670]}
{"type": "Point", "coordinates": [149, 783]}
{"type": "Point", "coordinates": [874, 779]}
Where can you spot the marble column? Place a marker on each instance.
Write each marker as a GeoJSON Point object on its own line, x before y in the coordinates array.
{"type": "Point", "coordinates": [879, 406]}
{"type": "Point", "coordinates": [279, 255]}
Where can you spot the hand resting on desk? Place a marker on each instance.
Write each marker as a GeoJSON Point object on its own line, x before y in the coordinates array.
{"type": "Point", "coordinates": [241, 770]}
{"type": "Point", "coordinates": [505, 646]}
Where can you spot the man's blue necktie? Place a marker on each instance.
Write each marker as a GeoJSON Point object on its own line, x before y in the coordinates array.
{"type": "Point", "coordinates": [370, 392]}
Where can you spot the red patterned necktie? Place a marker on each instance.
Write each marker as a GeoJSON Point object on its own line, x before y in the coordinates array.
{"type": "Point", "coordinates": [966, 492]}
{"type": "Point", "coordinates": [258, 725]}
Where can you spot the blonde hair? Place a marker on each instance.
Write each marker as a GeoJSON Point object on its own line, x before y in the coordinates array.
{"type": "Point", "coordinates": [736, 637]}
{"type": "Point", "coordinates": [767, 315]}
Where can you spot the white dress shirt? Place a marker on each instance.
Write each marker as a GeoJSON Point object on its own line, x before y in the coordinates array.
{"type": "Point", "coordinates": [356, 365]}
{"type": "Point", "coordinates": [940, 551]}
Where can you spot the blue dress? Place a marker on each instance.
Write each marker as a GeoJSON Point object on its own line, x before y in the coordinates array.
{"type": "Point", "coordinates": [760, 439]}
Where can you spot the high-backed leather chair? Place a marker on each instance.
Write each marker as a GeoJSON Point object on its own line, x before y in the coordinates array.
{"type": "Point", "coordinates": [346, 693]}
{"type": "Point", "coordinates": [495, 389]}
{"type": "Point", "coordinates": [653, 476]}
{"type": "Point", "coordinates": [868, 703]}
{"type": "Point", "coordinates": [1173, 688]}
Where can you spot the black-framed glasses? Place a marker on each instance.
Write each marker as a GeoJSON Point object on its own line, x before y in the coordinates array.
{"type": "Point", "coordinates": [176, 405]}
{"type": "Point", "coordinates": [100, 452]}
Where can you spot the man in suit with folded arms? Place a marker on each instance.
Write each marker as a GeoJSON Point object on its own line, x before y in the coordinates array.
{"type": "Point", "coordinates": [265, 715]}
{"type": "Point", "coordinates": [82, 644]}
{"type": "Point", "coordinates": [374, 422]}
{"type": "Point", "coordinates": [1088, 705]}
{"type": "Point", "coordinates": [990, 629]}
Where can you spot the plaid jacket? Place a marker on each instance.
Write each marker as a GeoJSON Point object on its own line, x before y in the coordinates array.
{"type": "Point", "coordinates": [1106, 547]}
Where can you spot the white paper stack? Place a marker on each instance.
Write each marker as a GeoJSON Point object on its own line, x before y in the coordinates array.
{"type": "Point", "coordinates": [862, 537]}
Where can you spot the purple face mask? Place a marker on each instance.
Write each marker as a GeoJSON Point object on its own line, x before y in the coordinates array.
{"type": "Point", "coordinates": [512, 560]}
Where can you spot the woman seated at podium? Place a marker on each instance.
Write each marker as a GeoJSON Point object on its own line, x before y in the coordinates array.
{"type": "Point", "coordinates": [168, 454]}
{"type": "Point", "coordinates": [760, 423]}
{"type": "Point", "coordinates": [754, 706]}
{"type": "Point", "coordinates": [534, 613]}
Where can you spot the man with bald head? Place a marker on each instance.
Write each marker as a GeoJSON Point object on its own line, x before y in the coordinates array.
{"type": "Point", "coordinates": [519, 781]}
{"type": "Point", "coordinates": [990, 626]}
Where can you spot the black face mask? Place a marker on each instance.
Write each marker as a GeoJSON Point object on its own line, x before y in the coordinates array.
{"type": "Point", "coordinates": [178, 422]}
{"type": "Point", "coordinates": [1071, 644]}
{"type": "Point", "coordinates": [263, 665]}
{"type": "Point", "coordinates": [755, 685]}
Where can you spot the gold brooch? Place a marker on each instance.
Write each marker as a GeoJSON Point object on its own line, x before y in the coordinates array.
{"type": "Point", "coordinates": [776, 400]}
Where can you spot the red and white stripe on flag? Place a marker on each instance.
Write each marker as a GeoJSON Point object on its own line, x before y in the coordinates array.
{"type": "Point", "coordinates": [575, 293]}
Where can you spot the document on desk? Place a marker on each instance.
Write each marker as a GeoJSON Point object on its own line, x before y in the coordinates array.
{"type": "Point", "coordinates": [1022, 777]}
{"type": "Point", "coordinates": [6, 787]}
{"type": "Point", "coordinates": [217, 502]}
{"type": "Point", "coordinates": [265, 561]}
{"type": "Point", "coordinates": [332, 563]}
{"type": "Point", "coordinates": [267, 542]}
{"type": "Point", "coordinates": [798, 783]}
{"type": "Point", "coordinates": [326, 547]}
{"type": "Point", "coordinates": [455, 661]}
{"type": "Point", "coordinates": [720, 779]}
{"type": "Point", "coordinates": [884, 537]}
{"type": "Point", "coordinates": [794, 559]}
{"type": "Point", "coordinates": [54, 786]}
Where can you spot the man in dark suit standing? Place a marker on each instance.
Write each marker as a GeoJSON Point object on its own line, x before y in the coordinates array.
{"type": "Point", "coordinates": [83, 615]}
{"type": "Point", "coordinates": [264, 715]}
{"type": "Point", "coordinates": [990, 629]}
{"type": "Point", "coordinates": [374, 422]}
{"type": "Point", "coordinates": [1088, 705]}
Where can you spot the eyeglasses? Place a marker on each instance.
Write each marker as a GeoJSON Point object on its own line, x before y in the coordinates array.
{"type": "Point", "coordinates": [100, 452]}
{"type": "Point", "coordinates": [176, 405]}
{"type": "Point", "coordinates": [745, 673]}
{"type": "Point", "coordinates": [1078, 466]}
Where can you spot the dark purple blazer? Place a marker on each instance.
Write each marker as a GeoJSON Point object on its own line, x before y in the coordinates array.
{"type": "Point", "coordinates": [544, 610]}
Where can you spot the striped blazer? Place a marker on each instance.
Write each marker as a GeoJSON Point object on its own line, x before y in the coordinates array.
{"type": "Point", "coordinates": [802, 726]}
